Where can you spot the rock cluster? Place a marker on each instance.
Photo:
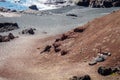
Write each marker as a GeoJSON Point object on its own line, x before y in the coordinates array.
{"type": "Point", "coordinates": [5, 27]}
{"type": "Point", "coordinates": [7, 38]}
{"type": "Point", "coordinates": [6, 10]}
{"type": "Point", "coordinates": [85, 77]}
{"type": "Point", "coordinates": [29, 31]}
{"type": "Point", "coordinates": [57, 46]}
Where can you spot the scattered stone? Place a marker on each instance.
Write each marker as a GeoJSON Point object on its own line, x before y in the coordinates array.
{"type": "Point", "coordinates": [85, 77]}
{"type": "Point", "coordinates": [33, 7]}
{"type": "Point", "coordinates": [102, 56]}
{"type": "Point", "coordinates": [64, 36]}
{"type": "Point", "coordinates": [93, 62]}
{"type": "Point", "coordinates": [81, 29]}
{"type": "Point", "coordinates": [29, 31]}
{"type": "Point", "coordinates": [47, 48]}
{"type": "Point", "coordinates": [57, 40]}
{"type": "Point", "coordinates": [5, 27]}
{"type": "Point", "coordinates": [64, 52]}
{"type": "Point", "coordinates": [5, 39]}
{"type": "Point", "coordinates": [74, 15]}
{"type": "Point", "coordinates": [57, 49]}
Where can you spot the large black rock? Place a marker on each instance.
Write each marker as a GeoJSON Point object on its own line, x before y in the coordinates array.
{"type": "Point", "coordinates": [33, 7]}
{"type": "Point", "coordinates": [105, 71]}
{"type": "Point", "coordinates": [5, 27]}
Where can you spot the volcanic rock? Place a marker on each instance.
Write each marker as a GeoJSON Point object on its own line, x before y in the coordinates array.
{"type": "Point", "coordinates": [33, 7]}
{"type": "Point", "coordinates": [5, 27]}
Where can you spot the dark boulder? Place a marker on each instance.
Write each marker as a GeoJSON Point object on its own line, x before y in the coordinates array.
{"type": "Point", "coordinates": [81, 29]}
{"type": "Point", "coordinates": [5, 27]}
{"type": "Point", "coordinates": [11, 36]}
{"type": "Point", "coordinates": [33, 7]}
{"type": "Point", "coordinates": [83, 3]}
{"type": "Point", "coordinates": [63, 52]}
{"type": "Point", "coordinates": [116, 4]}
{"type": "Point", "coordinates": [104, 71]}
{"type": "Point", "coordinates": [31, 31]}
{"type": "Point", "coordinates": [74, 15]}
{"type": "Point", "coordinates": [57, 50]}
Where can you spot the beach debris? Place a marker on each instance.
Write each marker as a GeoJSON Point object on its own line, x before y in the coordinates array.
{"type": "Point", "coordinates": [80, 29]}
{"type": "Point", "coordinates": [85, 77]}
{"type": "Point", "coordinates": [71, 14]}
{"type": "Point", "coordinates": [47, 48]}
{"type": "Point", "coordinates": [64, 52]}
{"type": "Point", "coordinates": [5, 27]}
{"type": "Point", "coordinates": [33, 7]}
{"type": "Point", "coordinates": [6, 38]}
{"type": "Point", "coordinates": [29, 31]}
{"type": "Point", "coordinates": [102, 56]}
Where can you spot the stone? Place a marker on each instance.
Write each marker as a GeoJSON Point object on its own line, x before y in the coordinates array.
{"type": "Point", "coordinates": [83, 3]}
{"type": "Point", "coordinates": [74, 15]}
{"type": "Point", "coordinates": [85, 77]}
{"type": "Point", "coordinates": [93, 62]}
{"type": "Point", "coordinates": [29, 31]}
{"type": "Point", "coordinates": [5, 39]}
{"type": "Point", "coordinates": [64, 36]}
{"type": "Point", "coordinates": [104, 71]}
{"type": "Point", "coordinates": [81, 29]}
{"type": "Point", "coordinates": [47, 48]}
{"type": "Point", "coordinates": [99, 59]}
{"type": "Point", "coordinates": [64, 52]}
{"type": "Point", "coordinates": [11, 36]}
{"type": "Point", "coordinates": [33, 7]}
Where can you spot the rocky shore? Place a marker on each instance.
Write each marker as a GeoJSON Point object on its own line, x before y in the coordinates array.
{"type": "Point", "coordinates": [48, 45]}
{"type": "Point", "coordinates": [99, 3]}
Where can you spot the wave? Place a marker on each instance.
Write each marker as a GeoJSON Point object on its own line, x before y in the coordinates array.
{"type": "Point", "coordinates": [41, 4]}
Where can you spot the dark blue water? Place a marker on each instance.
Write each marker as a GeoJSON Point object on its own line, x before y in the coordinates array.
{"type": "Point", "coordinates": [12, 6]}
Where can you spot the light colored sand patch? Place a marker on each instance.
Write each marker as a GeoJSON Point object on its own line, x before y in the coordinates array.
{"type": "Point", "coordinates": [9, 14]}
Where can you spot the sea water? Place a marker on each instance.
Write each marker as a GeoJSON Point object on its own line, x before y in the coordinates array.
{"type": "Point", "coordinates": [24, 4]}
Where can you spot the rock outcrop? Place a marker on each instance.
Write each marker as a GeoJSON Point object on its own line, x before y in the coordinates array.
{"type": "Point", "coordinates": [99, 3]}
{"type": "Point", "coordinates": [7, 38]}
{"type": "Point", "coordinates": [5, 27]}
{"type": "Point", "coordinates": [29, 31]}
